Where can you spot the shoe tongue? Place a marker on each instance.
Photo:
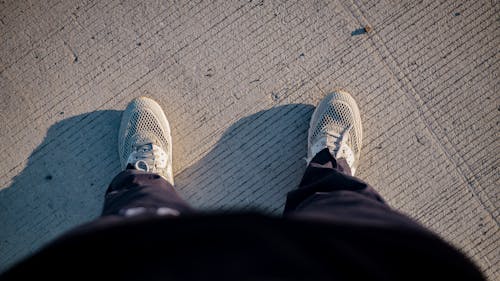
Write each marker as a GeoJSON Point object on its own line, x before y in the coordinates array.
{"type": "Point", "coordinates": [143, 147]}
{"type": "Point", "coordinates": [143, 139]}
{"type": "Point", "coordinates": [344, 151]}
{"type": "Point", "coordinates": [332, 140]}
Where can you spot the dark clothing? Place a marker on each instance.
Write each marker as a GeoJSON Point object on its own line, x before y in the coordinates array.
{"type": "Point", "coordinates": [334, 227]}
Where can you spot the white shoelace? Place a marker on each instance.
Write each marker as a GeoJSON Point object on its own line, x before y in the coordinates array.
{"type": "Point", "coordinates": [148, 157]}
{"type": "Point", "coordinates": [337, 144]}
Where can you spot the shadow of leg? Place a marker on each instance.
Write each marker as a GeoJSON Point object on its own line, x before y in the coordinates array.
{"type": "Point", "coordinates": [62, 185]}
{"type": "Point", "coordinates": [254, 164]}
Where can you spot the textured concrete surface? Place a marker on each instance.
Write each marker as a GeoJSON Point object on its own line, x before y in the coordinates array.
{"type": "Point", "coordinates": [238, 82]}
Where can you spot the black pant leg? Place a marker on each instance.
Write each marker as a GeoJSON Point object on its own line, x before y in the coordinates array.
{"type": "Point", "coordinates": [329, 192]}
{"type": "Point", "coordinates": [135, 192]}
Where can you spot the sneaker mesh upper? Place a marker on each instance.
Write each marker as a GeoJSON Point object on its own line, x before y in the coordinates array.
{"type": "Point", "coordinates": [335, 114]}
{"type": "Point", "coordinates": [143, 127]}
{"type": "Point", "coordinates": [144, 122]}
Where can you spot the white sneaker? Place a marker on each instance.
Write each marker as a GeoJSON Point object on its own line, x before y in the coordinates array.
{"type": "Point", "coordinates": [336, 125]}
{"type": "Point", "coordinates": [144, 139]}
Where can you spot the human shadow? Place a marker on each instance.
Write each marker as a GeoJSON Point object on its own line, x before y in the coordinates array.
{"type": "Point", "coordinates": [254, 164]}
{"type": "Point", "coordinates": [62, 184]}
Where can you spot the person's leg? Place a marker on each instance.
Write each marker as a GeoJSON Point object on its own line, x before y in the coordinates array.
{"type": "Point", "coordinates": [134, 192]}
{"type": "Point", "coordinates": [328, 190]}
{"type": "Point", "coordinates": [145, 147]}
{"type": "Point", "coordinates": [326, 174]}
{"type": "Point", "coordinates": [145, 187]}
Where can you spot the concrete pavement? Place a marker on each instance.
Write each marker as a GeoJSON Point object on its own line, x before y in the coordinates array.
{"type": "Point", "coordinates": [238, 82]}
